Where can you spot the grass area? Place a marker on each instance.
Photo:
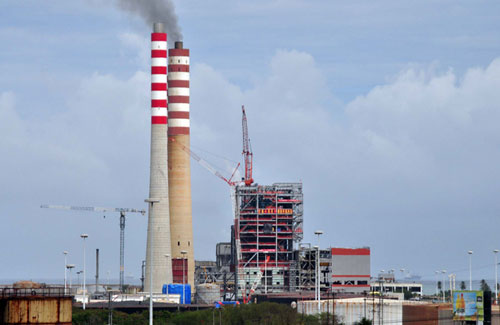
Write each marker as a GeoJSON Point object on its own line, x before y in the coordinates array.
{"type": "Point", "coordinates": [264, 313]}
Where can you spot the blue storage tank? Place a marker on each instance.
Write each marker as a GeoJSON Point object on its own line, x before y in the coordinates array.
{"type": "Point", "coordinates": [179, 290]}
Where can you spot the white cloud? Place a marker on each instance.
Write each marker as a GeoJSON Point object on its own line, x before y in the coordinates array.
{"type": "Point", "coordinates": [421, 148]}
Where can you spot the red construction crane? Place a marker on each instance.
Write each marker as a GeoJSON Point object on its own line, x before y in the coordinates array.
{"type": "Point", "coordinates": [247, 150]}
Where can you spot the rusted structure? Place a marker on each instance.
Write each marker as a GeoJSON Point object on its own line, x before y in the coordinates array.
{"type": "Point", "coordinates": [179, 168]}
{"type": "Point", "coordinates": [35, 306]}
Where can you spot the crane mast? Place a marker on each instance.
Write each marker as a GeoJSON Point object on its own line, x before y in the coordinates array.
{"type": "Point", "coordinates": [247, 149]}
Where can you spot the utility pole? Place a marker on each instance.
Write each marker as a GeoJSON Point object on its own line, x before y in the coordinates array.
{"type": "Point", "coordinates": [143, 266]}
{"type": "Point", "coordinates": [96, 269]}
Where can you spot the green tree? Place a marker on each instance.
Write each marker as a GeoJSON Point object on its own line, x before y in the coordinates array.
{"type": "Point", "coordinates": [462, 285]}
{"type": "Point", "coordinates": [407, 294]}
{"type": "Point", "coordinates": [363, 321]}
{"type": "Point", "coordinates": [485, 286]}
{"type": "Point", "coordinates": [439, 285]}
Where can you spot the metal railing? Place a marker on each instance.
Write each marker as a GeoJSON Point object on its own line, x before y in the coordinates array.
{"type": "Point", "coordinates": [7, 292]}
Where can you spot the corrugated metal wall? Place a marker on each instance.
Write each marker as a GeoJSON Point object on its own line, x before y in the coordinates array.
{"type": "Point", "coordinates": [29, 310]}
{"type": "Point", "coordinates": [391, 312]}
{"type": "Point", "coordinates": [350, 311]}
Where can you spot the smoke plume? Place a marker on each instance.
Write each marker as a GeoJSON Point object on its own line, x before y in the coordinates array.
{"type": "Point", "coordinates": [155, 11]}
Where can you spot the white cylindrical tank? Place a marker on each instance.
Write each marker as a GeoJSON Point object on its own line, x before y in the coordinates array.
{"type": "Point", "coordinates": [207, 293]}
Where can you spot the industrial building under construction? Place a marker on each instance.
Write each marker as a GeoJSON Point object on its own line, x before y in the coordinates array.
{"type": "Point", "coordinates": [267, 227]}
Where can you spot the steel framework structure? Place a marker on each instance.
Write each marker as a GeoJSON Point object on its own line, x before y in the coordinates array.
{"type": "Point", "coordinates": [268, 224]}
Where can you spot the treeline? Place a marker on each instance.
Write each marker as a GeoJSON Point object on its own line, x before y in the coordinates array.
{"type": "Point", "coordinates": [264, 313]}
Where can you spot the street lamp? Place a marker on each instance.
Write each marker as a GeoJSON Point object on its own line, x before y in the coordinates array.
{"type": "Point", "coordinates": [70, 267]}
{"type": "Point", "coordinates": [444, 284]}
{"type": "Point", "coordinates": [65, 266]}
{"type": "Point", "coordinates": [316, 278]}
{"type": "Point", "coordinates": [151, 214]}
{"type": "Point", "coordinates": [452, 285]}
{"type": "Point", "coordinates": [318, 270]}
{"type": "Point", "coordinates": [167, 256]}
{"type": "Point", "coordinates": [84, 236]}
{"type": "Point", "coordinates": [78, 277]}
{"type": "Point", "coordinates": [183, 281]}
{"type": "Point", "coordinates": [495, 251]}
{"type": "Point", "coordinates": [437, 289]}
{"type": "Point", "coordinates": [470, 269]}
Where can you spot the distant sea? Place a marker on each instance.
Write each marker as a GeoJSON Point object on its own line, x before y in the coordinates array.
{"type": "Point", "coordinates": [429, 287]}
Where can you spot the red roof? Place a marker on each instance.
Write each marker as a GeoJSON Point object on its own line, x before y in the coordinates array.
{"type": "Point", "coordinates": [350, 251]}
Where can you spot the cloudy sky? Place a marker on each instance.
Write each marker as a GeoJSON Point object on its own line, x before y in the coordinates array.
{"type": "Point", "coordinates": [387, 111]}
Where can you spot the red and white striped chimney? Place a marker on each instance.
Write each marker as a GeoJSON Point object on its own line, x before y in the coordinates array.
{"type": "Point", "coordinates": [159, 78]}
{"type": "Point", "coordinates": [158, 270]}
{"type": "Point", "coordinates": [179, 169]}
{"type": "Point", "coordinates": [178, 96]}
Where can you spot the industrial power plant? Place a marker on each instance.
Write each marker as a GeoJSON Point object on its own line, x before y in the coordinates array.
{"type": "Point", "coordinates": [265, 258]}
{"type": "Point", "coordinates": [265, 254]}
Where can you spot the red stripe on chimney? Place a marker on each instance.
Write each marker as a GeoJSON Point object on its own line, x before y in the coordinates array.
{"type": "Point", "coordinates": [158, 70]}
{"type": "Point", "coordinates": [159, 37]}
{"type": "Point", "coordinates": [158, 86]}
{"type": "Point", "coordinates": [178, 114]}
{"type": "Point", "coordinates": [178, 52]}
{"type": "Point", "coordinates": [178, 83]}
{"type": "Point", "coordinates": [158, 53]}
{"type": "Point", "coordinates": [178, 99]}
{"type": "Point", "coordinates": [158, 120]}
{"type": "Point", "coordinates": [178, 131]}
{"type": "Point", "coordinates": [158, 103]}
{"type": "Point", "coordinates": [178, 68]}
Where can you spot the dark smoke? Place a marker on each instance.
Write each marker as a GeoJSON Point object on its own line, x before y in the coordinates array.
{"type": "Point", "coordinates": [155, 11]}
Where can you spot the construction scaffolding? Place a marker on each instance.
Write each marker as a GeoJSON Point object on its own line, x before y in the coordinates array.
{"type": "Point", "coordinates": [267, 227]}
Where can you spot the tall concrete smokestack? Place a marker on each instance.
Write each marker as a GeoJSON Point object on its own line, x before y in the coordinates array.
{"type": "Point", "coordinates": [179, 171]}
{"type": "Point", "coordinates": [159, 219]}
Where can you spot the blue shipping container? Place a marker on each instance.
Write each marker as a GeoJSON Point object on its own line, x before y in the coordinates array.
{"type": "Point", "coordinates": [179, 290]}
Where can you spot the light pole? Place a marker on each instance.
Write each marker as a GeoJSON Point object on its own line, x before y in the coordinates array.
{"type": "Point", "coordinates": [70, 267]}
{"type": "Point", "coordinates": [444, 284]}
{"type": "Point", "coordinates": [183, 281]}
{"type": "Point", "coordinates": [437, 289]}
{"type": "Point", "coordinates": [452, 285]}
{"type": "Point", "coordinates": [495, 251]}
{"type": "Point", "coordinates": [78, 277]}
{"type": "Point", "coordinates": [318, 272]}
{"type": "Point", "coordinates": [265, 274]}
{"type": "Point", "coordinates": [470, 269]}
{"type": "Point", "coordinates": [167, 256]}
{"type": "Point", "coordinates": [65, 267]}
{"type": "Point", "coordinates": [151, 214]}
{"type": "Point", "coordinates": [316, 278]}
{"type": "Point", "coordinates": [84, 236]}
